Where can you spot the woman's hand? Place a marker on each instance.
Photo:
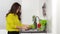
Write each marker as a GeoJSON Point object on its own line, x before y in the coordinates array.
{"type": "Point", "coordinates": [25, 27]}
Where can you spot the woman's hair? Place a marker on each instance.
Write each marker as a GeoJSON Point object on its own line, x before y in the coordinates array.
{"type": "Point", "coordinates": [14, 8]}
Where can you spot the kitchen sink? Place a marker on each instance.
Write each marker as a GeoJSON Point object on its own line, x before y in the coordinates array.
{"type": "Point", "coordinates": [33, 31]}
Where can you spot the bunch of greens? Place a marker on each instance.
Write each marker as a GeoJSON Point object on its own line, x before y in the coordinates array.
{"type": "Point", "coordinates": [43, 25]}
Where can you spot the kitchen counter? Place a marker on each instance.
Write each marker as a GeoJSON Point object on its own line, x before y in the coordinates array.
{"type": "Point", "coordinates": [33, 31]}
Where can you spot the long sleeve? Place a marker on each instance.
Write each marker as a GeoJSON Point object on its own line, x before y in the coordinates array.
{"type": "Point", "coordinates": [10, 21]}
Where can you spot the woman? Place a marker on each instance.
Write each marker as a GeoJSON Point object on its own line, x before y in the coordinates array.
{"type": "Point", "coordinates": [13, 19]}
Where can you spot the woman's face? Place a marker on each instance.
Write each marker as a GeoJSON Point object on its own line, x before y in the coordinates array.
{"type": "Point", "coordinates": [18, 10]}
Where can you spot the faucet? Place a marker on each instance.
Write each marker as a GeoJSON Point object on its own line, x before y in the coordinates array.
{"type": "Point", "coordinates": [35, 21]}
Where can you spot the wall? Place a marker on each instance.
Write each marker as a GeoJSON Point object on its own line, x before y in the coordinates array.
{"type": "Point", "coordinates": [30, 8]}
{"type": "Point", "coordinates": [34, 7]}
{"type": "Point", "coordinates": [58, 17]}
{"type": "Point", "coordinates": [49, 15]}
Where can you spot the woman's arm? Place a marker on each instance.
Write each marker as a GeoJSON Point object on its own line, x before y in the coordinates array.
{"type": "Point", "coordinates": [15, 25]}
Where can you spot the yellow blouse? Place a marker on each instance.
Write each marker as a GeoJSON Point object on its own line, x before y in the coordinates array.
{"type": "Point", "coordinates": [12, 21]}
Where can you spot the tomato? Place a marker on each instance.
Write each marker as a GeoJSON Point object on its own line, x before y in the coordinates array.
{"type": "Point", "coordinates": [39, 25]}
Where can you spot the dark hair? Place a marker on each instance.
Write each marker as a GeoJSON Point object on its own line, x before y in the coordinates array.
{"type": "Point", "coordinates": [14, 8]}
